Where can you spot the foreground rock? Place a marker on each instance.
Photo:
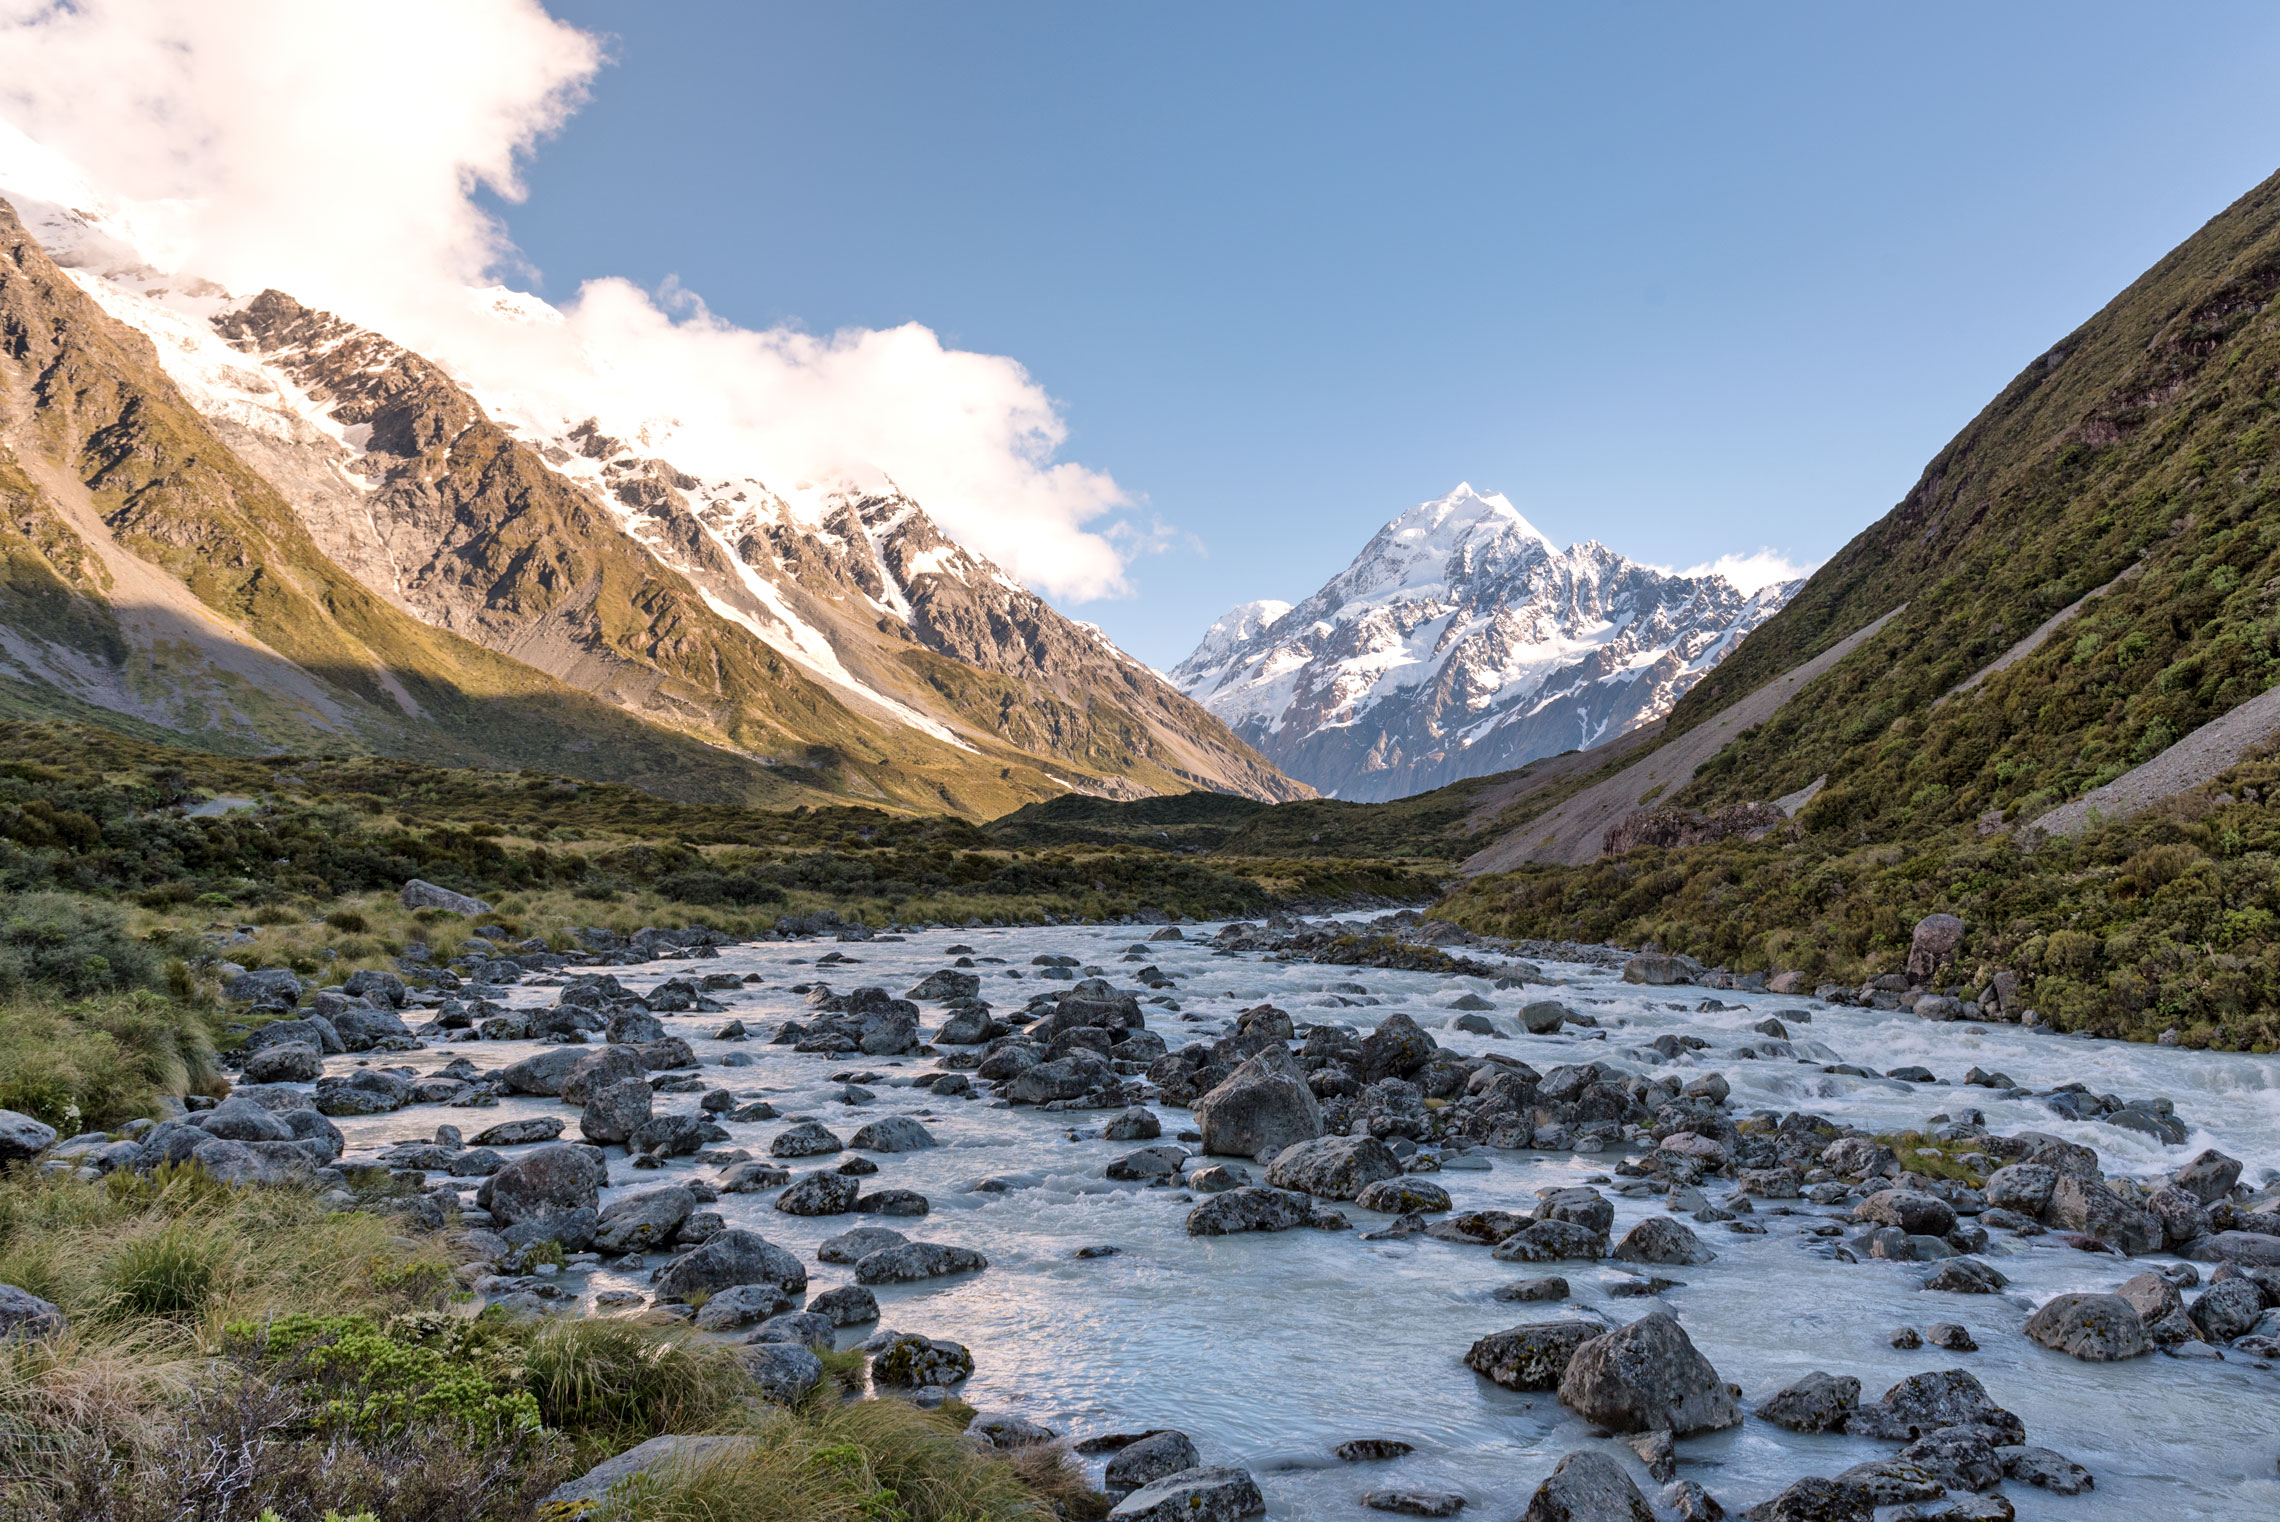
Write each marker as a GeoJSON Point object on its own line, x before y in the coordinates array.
{"type": "Point", "coordinates": [1588, 1487]}
{"type": "Point", "coordinates": [660, 1455]}
{"type": "Point", "coordinates": [1213, 1493]}
{"type": "Point", "coordinates": [1157, 1456]}
{"type": "Point", "coordinates": [1336, 1167]}
{"type": "Point", "coordinates": [727, 1259]}
{"type": "Point", "coordinates": [1647, 1377]}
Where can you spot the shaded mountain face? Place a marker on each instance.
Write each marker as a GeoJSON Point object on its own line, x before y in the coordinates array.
{"type": "Point", "coordinates": [1460, 643]}
{"type": "Point", "coordinates": [837, 638]}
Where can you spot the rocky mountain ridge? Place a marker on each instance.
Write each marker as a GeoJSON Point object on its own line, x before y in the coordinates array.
{"type": "Point", "coordinates": [1458, 643]}
{"type": "Point", "coordinates": [836, 635]}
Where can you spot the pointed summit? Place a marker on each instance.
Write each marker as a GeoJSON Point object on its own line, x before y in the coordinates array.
{"type": "Point", "coordinates": [1460, 642]}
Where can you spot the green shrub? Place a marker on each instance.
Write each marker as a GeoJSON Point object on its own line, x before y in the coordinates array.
{"type": "Point", "coordinates": [71, 945]}
{"type": "Point", "coordinates": [378, 1380]}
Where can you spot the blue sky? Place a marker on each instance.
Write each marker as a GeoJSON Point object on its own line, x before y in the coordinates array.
{"type": "Point", "coordinates": [1685, 279]}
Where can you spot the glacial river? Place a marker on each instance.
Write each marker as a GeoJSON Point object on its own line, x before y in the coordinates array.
{"type": "Point", "coordinates": [1268, 1350]}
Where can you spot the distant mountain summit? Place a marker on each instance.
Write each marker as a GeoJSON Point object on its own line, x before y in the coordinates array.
{"type": "Point", "coordinates": [1460, 642]}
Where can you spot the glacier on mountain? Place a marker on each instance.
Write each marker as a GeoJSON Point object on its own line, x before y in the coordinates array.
{"type": "Point", "coordinates": [1459, 642]}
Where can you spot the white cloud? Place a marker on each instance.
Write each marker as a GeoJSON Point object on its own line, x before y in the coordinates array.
{"type": "Point", "coordinates": [1752, 572]}
{"type": "Point", "coordinates": [333, 151]}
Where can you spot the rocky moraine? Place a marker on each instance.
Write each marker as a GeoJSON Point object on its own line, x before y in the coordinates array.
{"type": "Point", "coordinates": [1330, 1220]}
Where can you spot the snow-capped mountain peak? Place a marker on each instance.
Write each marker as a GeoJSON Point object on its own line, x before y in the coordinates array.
{"type": "Point", "coordinates": [1460, 642]}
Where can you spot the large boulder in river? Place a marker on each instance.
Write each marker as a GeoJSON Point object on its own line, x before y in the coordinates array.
{"type": "Point", "coordinates": [893, 1133]}
{"type": "Point", "coordinates": [949, 983]}
{"type": "Point", "coordinates": [551, 1181]}
{"type": "Point", "coordinates": [1659, 1239]}
{"type": "Point", "coordinates": [2091, 1209]}
{"type": "Point", "coordinates": [1249, 1209]}
{"type": "Point", "coordinates": [634, 1222]}
{"type": "Point", "coordinates": [1261, 1108]}
{"type": "Point", "coordinates": [1647, 1377]}
{"type": "Point", "coordinates": [543, 1073]}
{"type": "Point", "coordinates": [599, 1069]}
{"type": "Point", "coordinates": [1397, 1048]}
{"type": "Point", "coordinates": [2024, 1187]}
{"type": "Point", "coordinates": [2095, 1328]}
{"type": "Point", "coordinates": [1588, 1486]}
{"type": "Point", "coordinates": [617, 1110]}
{"type": "Point", "coordinates": [1916, 1213]}
{"type": "Point", "coordinates": [1928, 1402]}
{"type": "Point", "coordinates": [2209, 1177]}
{"type": "Point", "coordinates": [1337, 1167]}
{"type": "Point", "coordinates": [727, 1259]}
{"type": "Point", "coordinates": [1075, 1073]}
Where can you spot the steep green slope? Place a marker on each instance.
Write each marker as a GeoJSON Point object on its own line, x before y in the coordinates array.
{"type": "Point", "coordinates": [2141, 443]}
{"type": "Point", "coordinates": [2148, 432]}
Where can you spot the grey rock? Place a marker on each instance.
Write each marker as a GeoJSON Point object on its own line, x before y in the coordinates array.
{"type": "Point", "coordinates": [1814, 1499]}
{"type": "Point", "coordinates": [315, 1030]}
{"type": "Point", "coordinates": [2094, 1328]}
{"type": "Point", "coordinates": [1659, 1239]}
{"type": "Point", "coordinates": [1549, 1287]}
{"type": "Point", "coordinates": [1213, 1493]}
{"type": "Point", "coordinates": [635, 1222]}
{"type": "Point", "coordinates": [742, 1305]}
{"type": "Point", "coordinates": [1005, 1432]}
{"type": "Point", "coordinates": [1551, 1242]}
{"type": "Point", "coordinates": [1916, 1213]}
{"type": "Point", "coordinates": [599, 1070]}
{"type": "Point", "coordinates": [1927, 1402]}
{"type": "Point", "coordinates": [915, 1362]}
{"type": "Point", "coordinates": [1261, 1108]}
{"type": "Point", "coordinates": [1414, 1503]}
{"type": "Point", "coordinates": [1588, 1486]}
{"type": "Point", "coordinates": [243, 1121]}
{"type": "Point", "coordinates": [753, 1176]}
{"type": "Point", "coordinates": [1533, 1356]}
{"type": "Point", "coordinates": [540, 1184]}
{"type": "Point", "coordinates": [912, 1261]}
{"type": "Point", "coordinates": [417, 894]}
{"type": "Point", "coordinates": [519, 1133]}
{"type": "Point", "coordinates": [1406, 1195]}
{"type": "Point", "coordinates": [25, 1317]}
{"type": "Point", "coordinates": [1335, 1167]}
{"type": "Point", "coordinates": [730, 1258]}
{"type": "Point", "coordinates": [1817, 1403]}
{"type": "Point", "coordinates": [823, 1192]}
{"type": "Point", "coordinates": [285, 1062]}
{"type": "Point", "coordinates": [271, 985]}
{"type": "Point", "coordinates": [2024, 1187]}
{"type": "Point", "coordinates": [893, 1133]}
{"type": "Point", "coordinates": [543, 1073]}
{"type": "Point", "coordinates": [1248, 1209]}
{"type": "Point", "coordinates": [1644, 1377]}
{"type": "Point", "coordinates": [807, 1139]}
{"type": "Point", "coordinates": [1152, 1458]}
{"type": "Point", "coordinates": [853, 1246]}
{"type": "Point", "coordinates": [2040, 1467]}
{"type": "Point", "coordinates": [615, 1111]}
{"type": "Point", "coordinates": [848, 1305]}
{"type": "Point", "coordinates": [2093, 1210]}
{"type": "Point", "coordinates": [1965, 1276]}
{"type": "Point", "coordinates": [2209, 1177]}
{"type": "Point", "coordinates": [2227, 1309]}
{"type": "Point", "coordinates": [783, 1371]}
{"type": "Point", "coordinates": [659, 1455]}
{"type": "Point", "coordinates": [806, 1328]}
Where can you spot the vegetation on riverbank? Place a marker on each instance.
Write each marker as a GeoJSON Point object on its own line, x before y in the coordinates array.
{"type": "Point", "coordinates": [196, 1381]}
{"type": "Point", "coordinates": [2170, 919]}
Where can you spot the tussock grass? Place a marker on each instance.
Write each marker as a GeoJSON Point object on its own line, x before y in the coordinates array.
{"type": "Point", "coordinates": [832, 1461]}
{"type": "Point", "coordinates": [96, 1063]}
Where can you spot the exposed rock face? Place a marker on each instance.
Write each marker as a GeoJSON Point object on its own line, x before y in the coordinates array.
{"type": "Point", "coordinates": [1459, 643]}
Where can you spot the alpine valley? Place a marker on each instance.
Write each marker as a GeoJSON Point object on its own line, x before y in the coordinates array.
{"type": "Point", "coordinates": [1460, 643]}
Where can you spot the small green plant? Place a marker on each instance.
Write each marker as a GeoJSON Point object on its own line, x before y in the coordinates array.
{"type": "Point", "coordinates": [385, 1380]}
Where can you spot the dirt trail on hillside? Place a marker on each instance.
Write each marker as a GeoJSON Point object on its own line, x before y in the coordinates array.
{"type": "Point", "coordinates": [1571, 833]}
